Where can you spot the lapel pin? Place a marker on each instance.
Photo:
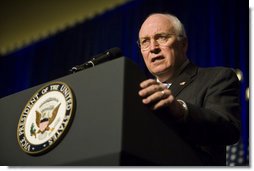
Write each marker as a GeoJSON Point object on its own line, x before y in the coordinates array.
{"type": "Point", "coordinates": [182, 83]}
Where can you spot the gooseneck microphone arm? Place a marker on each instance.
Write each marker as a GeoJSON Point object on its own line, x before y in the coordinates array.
{"type": "Point", "coordinates": [86, 65]}
{"type": "Point", "coordinates": [100, 58]}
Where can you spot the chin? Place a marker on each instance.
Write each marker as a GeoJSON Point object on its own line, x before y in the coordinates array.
{"type": "Point", "coordinates": [160, 70]}
{"type": "Point", "coordinates": [158, 73]}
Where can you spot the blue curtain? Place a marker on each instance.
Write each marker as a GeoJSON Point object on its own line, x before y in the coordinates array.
{"type": "Point", "coordinates": [218, 32]}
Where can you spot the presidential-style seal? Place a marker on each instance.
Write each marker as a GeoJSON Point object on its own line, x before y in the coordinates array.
{"type": "Point", "coordinates": [45, 118]}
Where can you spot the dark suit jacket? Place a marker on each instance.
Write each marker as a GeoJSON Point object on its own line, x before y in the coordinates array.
{"type": "Point", "coordinates": [213, 119]}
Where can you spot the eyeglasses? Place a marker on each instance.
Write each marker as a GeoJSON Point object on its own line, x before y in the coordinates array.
{"type": "Point", "coordinates": [160, 39]}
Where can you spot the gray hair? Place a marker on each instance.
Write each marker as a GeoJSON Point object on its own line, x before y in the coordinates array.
{"type": "Point", "coordinates": [179, 27]}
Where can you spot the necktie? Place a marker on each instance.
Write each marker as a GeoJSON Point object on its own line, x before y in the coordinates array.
{"type": "Point", "coordinates": [167, 85]}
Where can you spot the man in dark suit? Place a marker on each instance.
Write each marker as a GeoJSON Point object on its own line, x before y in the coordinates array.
{"type": "Point", "coordinates": [202, 103]}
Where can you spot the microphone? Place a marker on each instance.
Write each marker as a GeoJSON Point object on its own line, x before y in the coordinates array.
{"type": "Point", "coordinates": [100, 58]}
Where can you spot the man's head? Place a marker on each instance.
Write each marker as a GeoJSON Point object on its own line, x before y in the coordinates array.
{"type": "Point", "coordinates": [163, 44]}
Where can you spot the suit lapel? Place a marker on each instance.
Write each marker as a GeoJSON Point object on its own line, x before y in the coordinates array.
{"type": "Point", "coordinates": [183, 79]}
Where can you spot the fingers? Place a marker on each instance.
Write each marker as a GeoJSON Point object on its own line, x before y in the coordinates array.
{"type": "Point", "coordinates": [150, 87]}
{"type": "Point", "coordinates": [148, 82]}
{"type": "Point", "coordinates": [156, 94]}
{"type": "Point", "coordinates": [164, 103]}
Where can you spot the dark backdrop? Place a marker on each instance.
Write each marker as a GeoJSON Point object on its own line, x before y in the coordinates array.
{"type": "Point", "coordinates": [218, 33]}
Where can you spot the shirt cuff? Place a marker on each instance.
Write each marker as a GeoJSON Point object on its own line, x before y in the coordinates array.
{"type": "Point", "coordinates": [185, 107]}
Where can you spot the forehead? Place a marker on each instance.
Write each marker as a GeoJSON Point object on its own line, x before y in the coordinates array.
{"type": "Point", "coordinates": [156, 24]}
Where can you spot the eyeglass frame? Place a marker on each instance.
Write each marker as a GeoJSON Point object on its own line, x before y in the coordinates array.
{"type": "Point", "coordinates": [160, 35]}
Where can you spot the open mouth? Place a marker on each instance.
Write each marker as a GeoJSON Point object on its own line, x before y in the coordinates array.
{"type": "Point", "coordinates": [157, 58]}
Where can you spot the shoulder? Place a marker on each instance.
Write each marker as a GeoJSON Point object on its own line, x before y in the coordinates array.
{"type": "Point", "coordinates": [216, 69]}
{"type": "Point", "coordinates": [218, 72]}
{"type": "Point", "coordinates": [217, 76]}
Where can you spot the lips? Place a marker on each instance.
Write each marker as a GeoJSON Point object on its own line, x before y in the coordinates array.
{"type": "Point", "coordinates": [157, 58]}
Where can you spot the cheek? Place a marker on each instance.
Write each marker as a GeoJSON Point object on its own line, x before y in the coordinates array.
{"type": "Point", "coordinates": [145, 57]}
{"type": "Point", "coordinates": [170, 55]}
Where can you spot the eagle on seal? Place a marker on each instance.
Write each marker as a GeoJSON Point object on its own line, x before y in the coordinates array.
{"type": "Point", "coordinates": [43, 124]}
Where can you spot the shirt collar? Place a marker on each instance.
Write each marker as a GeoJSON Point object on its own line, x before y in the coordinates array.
{"type": "Point", "coordinates": [166, 84]}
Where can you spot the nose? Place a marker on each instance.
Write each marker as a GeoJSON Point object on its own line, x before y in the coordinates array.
{"type": "Point", "coordinates": [154, 46]}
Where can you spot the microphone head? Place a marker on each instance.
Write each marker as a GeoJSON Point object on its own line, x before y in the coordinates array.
{"type": "Point", "coordinates": [114, 52]}
{"type": "Point", "coordinates": [107, 55]}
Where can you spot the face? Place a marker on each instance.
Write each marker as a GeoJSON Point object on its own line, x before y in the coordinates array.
{"type": "Point", "coordinates": [165, 53]}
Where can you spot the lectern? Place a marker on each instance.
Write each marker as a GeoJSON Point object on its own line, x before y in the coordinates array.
{"type": "Point", "coordinates": [111, 125]}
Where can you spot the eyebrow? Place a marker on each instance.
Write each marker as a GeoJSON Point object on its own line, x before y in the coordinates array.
{"type": "Point", "coordinates": [157, 34]}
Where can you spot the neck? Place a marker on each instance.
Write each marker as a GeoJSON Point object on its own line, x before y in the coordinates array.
{"type": "Point", "coordinates": [169, 75]}
{"type": "Point", "coordinates": [165, 77]}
